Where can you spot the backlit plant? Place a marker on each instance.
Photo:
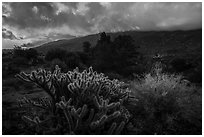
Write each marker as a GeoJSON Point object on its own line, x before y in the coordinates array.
{"type": "Point", "coordinates": [82, 102]}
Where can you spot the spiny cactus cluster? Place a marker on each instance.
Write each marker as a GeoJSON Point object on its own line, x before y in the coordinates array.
{"type": "Point", "coordinates": [86, 102]}
{"type": "Point", "coordinates": [44, 103]}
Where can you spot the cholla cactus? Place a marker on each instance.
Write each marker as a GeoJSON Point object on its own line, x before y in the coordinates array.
{"type": "Point", "coordinates": [73, 83]}
{"type": "Point", "coordinates": [104, 118]}
{"type": "Point", "coordinates": [95, 103]}
{"type": "Point", "coordinates": [44, 103]}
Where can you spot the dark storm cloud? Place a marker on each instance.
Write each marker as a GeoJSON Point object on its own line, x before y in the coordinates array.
{"type": "Point", "coordinates": [41, 15]}
{"type": "Point", "coordinates": [32, 20]}
{"type": "Point", "coordinates": [102, 15]}
{"type": "Point", "coordinates": [23, 15]}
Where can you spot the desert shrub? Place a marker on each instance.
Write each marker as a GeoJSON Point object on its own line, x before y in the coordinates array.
{"type": "Point", "coordinates": [86, 46]}
{"type": "Point", "coordinates": [28, 86]}
{"type": "Point", "coordinates": [85, 58]}
{"type": "Point", "coordinates": [56, 53]}
{"type": "Point", "coordinates": [79, 103]}
{"type": "Point", "coordinates": [22, 57]}
{"type": "Point", "coordinates": [9, 69]}
{"type": "Point", "coordinates": [20, 61]}
{"type": "Point", "coordinates": [167, 104]}
{"type": "Point", "coordinates": [60, 63]}
{"type": "Point", "coordinates": [114, 75]}
{"type": "Point", "coordinates": [180, 65]}
{"type": "Point", "coordinates": [12, 82]}
{"type": "Point", "coordinates": [195, 75]}
{"type": "Point", "coordinates": [72, 60]}
{"type": "Point", "coordinates": [29, 54]}
{"type": "Point", "coordinates": [130, 70]}
{"type": "Point", "coordinates": [18, 52]}
{"type": "Point", "coordinates": [6, 59]}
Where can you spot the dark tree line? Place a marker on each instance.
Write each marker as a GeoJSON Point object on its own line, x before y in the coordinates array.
{"type": "Point", "coordinates": [116, 56]}
{"type": "Point", "coordinates": [119, 55]}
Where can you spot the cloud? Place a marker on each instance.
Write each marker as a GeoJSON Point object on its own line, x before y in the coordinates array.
{"type": "Point", "coordinates": [103, 16]}
{"type": "Point", "coordinates": [60, 8]}
{"type": "Point", "coordinates": [152, 16]}
{"type": "Point", "coordinates": [6, 34]}
{"type": "Point", "coordinates": [82, 9]}
{"type": "Point", "coordinates": [33, 19]}
{"type": "Point", "coordinates": [6, 10]}
{"type": "Point", "coordinates": [35, 9]}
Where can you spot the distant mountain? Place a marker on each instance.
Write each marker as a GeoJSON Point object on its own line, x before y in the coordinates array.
{"type": "Point", "coordinates": [150, 42]}
{"type": "Point", "coordinates": [74, 44]}
{"type": "Point", "coordinates": [50, 38]}
{"type": "Point", "coordinates": [34, 41]}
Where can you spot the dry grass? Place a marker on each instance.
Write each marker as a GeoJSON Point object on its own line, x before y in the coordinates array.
{"type": "Point", "coordinates": [167, 104]}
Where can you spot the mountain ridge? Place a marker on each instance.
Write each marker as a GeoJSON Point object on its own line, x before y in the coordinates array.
{"type": "Point", "coordinates": [148, 41]}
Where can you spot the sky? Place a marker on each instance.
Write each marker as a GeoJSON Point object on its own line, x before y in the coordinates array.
{"type": "Point", "coordinates": [38, 23]}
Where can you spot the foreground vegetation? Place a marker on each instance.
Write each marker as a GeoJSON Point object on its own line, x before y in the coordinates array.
{"type": "Point", "coordinates": [89, 103]}
{"type": "Point", "coordinates": [167, 104]}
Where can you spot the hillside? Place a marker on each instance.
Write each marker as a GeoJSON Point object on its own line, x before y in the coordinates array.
{"type": "Point", "coordinates": [150, 42]}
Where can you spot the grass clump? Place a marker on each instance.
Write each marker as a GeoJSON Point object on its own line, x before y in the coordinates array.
{"type": "Point", "coordinates": [167, 104]}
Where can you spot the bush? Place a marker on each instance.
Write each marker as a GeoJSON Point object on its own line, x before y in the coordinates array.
{"type": "Point", "coordinates": [166, 105]}
{"type": "Point", "coordinates": [9, 69]}
{"type": "Point", "coordinates": [86, 46]}
{"type": "Point", "coordinates": [12, 82]}
{"type": "Point", "coordinates": [60, 63]}
{"type": "Point", "coordinates": [25, 53]}
{"type": "Point", "coordinates": [18, 52]}
{"type": "Point", "coordinates": [114, 75]}
{"type": "Point", "coordinates": [85, 58]}
{"type": "Point", "coordinates": [56, 54]}
{"type": "Point", "coordinates": [80, 103]}
{"type": "Point", "coordinates": [180, 65]}
{"type": "Point", "coordinates": [195, 75]}
{"type": "Point", "coordinates": [20, 61]}
{"type": "Point", "coordinates": [72, 60]}
{"type": "Point", "coordinates": [31, 54]}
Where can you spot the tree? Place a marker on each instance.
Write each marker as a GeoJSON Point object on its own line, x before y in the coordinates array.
{"type": "Point", "coordinates": [31, 53]}
{"type": "Point", "coordinates": [102, 53]}
{"type": "Point", "coordinates": [86, 46]}
{"type": "Point", "coordinates": [18, 51]}
{"type": "Point", "coordinates": [72, 60]}
{"type": "Point", "coordinates": [125, 54]}
{"type": "Point", "coordinates": [104, 38]}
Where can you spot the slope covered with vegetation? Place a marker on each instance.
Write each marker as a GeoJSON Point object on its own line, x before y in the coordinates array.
{"type": "Point", "coordinates": [150, 41]}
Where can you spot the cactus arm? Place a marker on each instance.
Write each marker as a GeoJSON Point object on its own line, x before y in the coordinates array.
{"type": "Point", "coordinates": [114, 115]}
{"type": "Point", "coordinates": [65, 105]}
{"type": "Point", "coordinates": [40, 104]}
{"type": "Point", "coordinates": [28, 120]}
{"type": "Point", "coordinates": [69, 120]}
{"type": "Point", "coordinates": [91, 115]}
{"type": "Point", "coordinates": [119, 128]}
{"type": "Point", "coordinates": [23, 76]}
{"type": "Point", "coordinates": [112, 128]}
{"type": "Point", "coordinates": [80, 116]}
{"type": "Point", "coordinates": [96, 102]}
